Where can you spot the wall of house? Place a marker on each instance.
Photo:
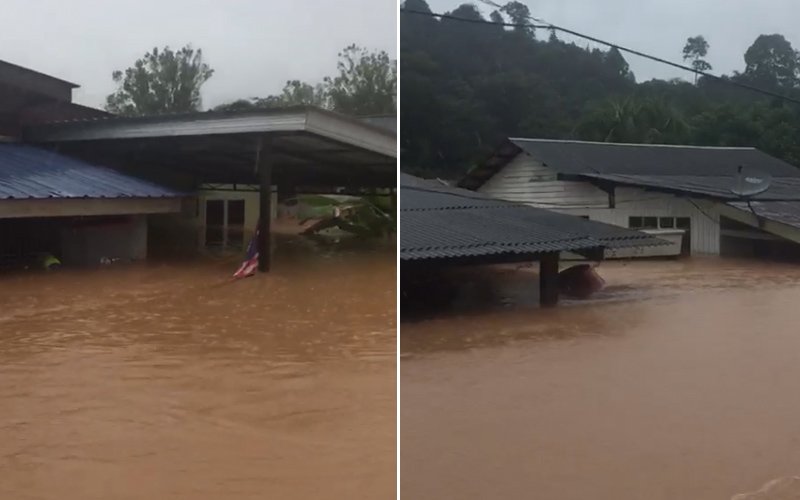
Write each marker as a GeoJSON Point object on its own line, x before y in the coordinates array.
{"type": "Point", "coordinates": [94, 239]}
{"type": "Point", "coordinates": [526, 180]}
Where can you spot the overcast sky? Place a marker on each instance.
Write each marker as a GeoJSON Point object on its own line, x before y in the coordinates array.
{"type": "Point", "coordinates": [661, 27]}
{"type": "Point", "coordinates": [254, 46]}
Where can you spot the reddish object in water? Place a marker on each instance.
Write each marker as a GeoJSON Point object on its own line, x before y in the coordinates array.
{"type": "Point", "coordinates": [580, 281]}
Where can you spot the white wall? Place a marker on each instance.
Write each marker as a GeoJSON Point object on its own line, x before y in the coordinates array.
{"type": "Point", "coordinates": [527, 181]}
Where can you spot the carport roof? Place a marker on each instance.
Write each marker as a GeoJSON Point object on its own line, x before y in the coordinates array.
{"type": "Point", "coordinates": [309, 144]}
{"type": "Point", "coordinates": [445, 223]}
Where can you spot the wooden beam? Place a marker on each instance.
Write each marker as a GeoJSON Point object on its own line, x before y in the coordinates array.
{"type": "Point", "coordinates": [265, 159]}
{"type": "Point", "coordinates": [548, 280]}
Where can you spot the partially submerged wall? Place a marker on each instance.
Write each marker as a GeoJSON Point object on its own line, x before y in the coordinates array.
{"type": "Point", "coordinates": [95, 240]}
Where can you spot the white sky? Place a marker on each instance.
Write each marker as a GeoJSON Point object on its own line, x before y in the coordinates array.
{"type": "Point", "coordinates": [660, 27]}
{"type": "Point", "coordinates": [254, 46]}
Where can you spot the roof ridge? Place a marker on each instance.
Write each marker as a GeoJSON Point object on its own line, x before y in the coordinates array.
{"type": "Point", "coordinates": [676, 146]}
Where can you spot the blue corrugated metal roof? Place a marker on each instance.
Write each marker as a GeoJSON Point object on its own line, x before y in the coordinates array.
{"type": "Point", "coordinates": [29, 172]}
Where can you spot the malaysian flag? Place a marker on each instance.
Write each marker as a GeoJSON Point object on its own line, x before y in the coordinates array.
{"type": "Point", "coordinates": [250, 264]}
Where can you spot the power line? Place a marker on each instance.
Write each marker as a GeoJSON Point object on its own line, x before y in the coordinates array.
{"type": "Point", "coordinates": [500, 8]}
{"type": "Point", "coordinates": [608, 44]}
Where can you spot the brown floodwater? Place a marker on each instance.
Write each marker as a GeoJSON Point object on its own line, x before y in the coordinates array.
{"type": "Point", "coordinates": [165, 381]}
{"type": "Point", "coordinates": [680, 381]}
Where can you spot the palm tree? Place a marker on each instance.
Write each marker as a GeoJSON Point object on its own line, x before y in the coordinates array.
{"type": "Point", "coordinates": [632, 120]}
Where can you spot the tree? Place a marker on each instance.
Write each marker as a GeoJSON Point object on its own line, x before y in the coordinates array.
{"type": "Point", "coordinates": [296, 93]}
{"type": "Point", "coordinates": [696, 49]}
{"type": "Point", "coordinates": [618, 63]}
{"type": "Point", "coordinates": [771, 61]}
{"type": "Point", "coordinates": [366, 84]}
{"type": "Point", "coordinates": [519, 13]}
{"type": "Point", "coordinates": [634, 120]}
{"type": "Point", "coordinates": [162, 81]}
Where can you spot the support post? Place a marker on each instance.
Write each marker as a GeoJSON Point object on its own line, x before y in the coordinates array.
{"type": "Point", "coordinates": [548, 280]}
{"type": "Point", "coordinates": [265, 204]}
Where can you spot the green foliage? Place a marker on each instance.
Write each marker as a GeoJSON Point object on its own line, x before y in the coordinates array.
{"type": "Point", "coordinates": [645, 121]}
{"type": "Point", "coordinates": [466, 87]}
{"type": "Point", "coordinates": [365, 85]}
{"type": "Point", "coordinates": [772, 61]}
{"type": "Point", "coordinates": [369, 216]}
{"type": "Point", "coordinates": [162, 81]}
{"type": "Point", "coordinates": [519, 14]}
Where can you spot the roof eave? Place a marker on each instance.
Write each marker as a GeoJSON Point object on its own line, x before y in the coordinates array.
{"type": "Point", "coordinates": [299, 119]}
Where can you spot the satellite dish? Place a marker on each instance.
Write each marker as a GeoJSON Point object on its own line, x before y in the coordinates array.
{"type": "Point", "coordinates": [750, 182]}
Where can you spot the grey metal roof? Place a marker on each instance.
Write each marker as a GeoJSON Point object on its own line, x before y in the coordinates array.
{"type": "Point", "coordinates": [781, 188]}
{"type": "Point", "coordinates": [784, 212]}
{"type": "Point", "coordinates": [580, 157]}
{"type": "Point", "coordinates": [291, 120]}
{"type": "Point", "coordinates": [8, 67]}
{"type": "Point", "coordinates": [387, 122]}
{"type": "Point", "coordinates": [413, 181]}
{"type": "Point", "coordinates": [28, 172]}
{"type": "Point", "coordinates": [448, 223]}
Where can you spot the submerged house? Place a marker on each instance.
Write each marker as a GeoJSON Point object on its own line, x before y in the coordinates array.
{"type": "Point", "coordinates": [79, 182]}
{"type": "Point", "coordinates": [684, 194]}
{"type": "Point", "coordinates": [51, 203]}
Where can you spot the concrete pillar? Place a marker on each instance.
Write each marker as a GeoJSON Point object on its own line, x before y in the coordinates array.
{"type": "Point", "coordinates": [548, 280]}
{"type": "Point", "coordinates": [265, 160]}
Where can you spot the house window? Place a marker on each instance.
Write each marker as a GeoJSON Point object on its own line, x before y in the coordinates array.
{"type": "Point", "coordinates": [225, 223]}
{"type": "Point", "coordinates": [659, 222]}
{"type": "Point", "coordinates": [643, 222]}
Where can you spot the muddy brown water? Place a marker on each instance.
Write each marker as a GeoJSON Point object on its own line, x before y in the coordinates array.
{"type": "Point", "coordinates": [162, 381]}
{"type": "Point", "coordinates": [680, 381]}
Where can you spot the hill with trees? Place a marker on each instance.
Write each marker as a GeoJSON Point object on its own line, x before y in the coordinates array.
{"type": "Point", "coordinates": [466, 86]}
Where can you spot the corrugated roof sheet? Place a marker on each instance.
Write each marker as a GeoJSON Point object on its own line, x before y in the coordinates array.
{"type": "Point", "coordinates": [784, 212]}
{"type": "Point", "coordinates": [444, 222]}
{"type": "Point", "coordinates": [579, 157]}
{"type": "Point", "coordinates": [28, 172]}
{"type": "Point", "coordinates": [781, 188]}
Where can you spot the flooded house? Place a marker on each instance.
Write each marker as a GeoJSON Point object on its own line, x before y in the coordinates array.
{"type": "Point", "coordinates": [88, 186]}
{"type": "Point", "coordinates": [53, 204]}
{"type": "Point", "coordinates": [689, 195]}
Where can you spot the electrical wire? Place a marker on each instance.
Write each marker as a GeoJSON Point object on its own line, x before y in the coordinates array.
{"type": "Point", "coordinates": [621, 48]}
